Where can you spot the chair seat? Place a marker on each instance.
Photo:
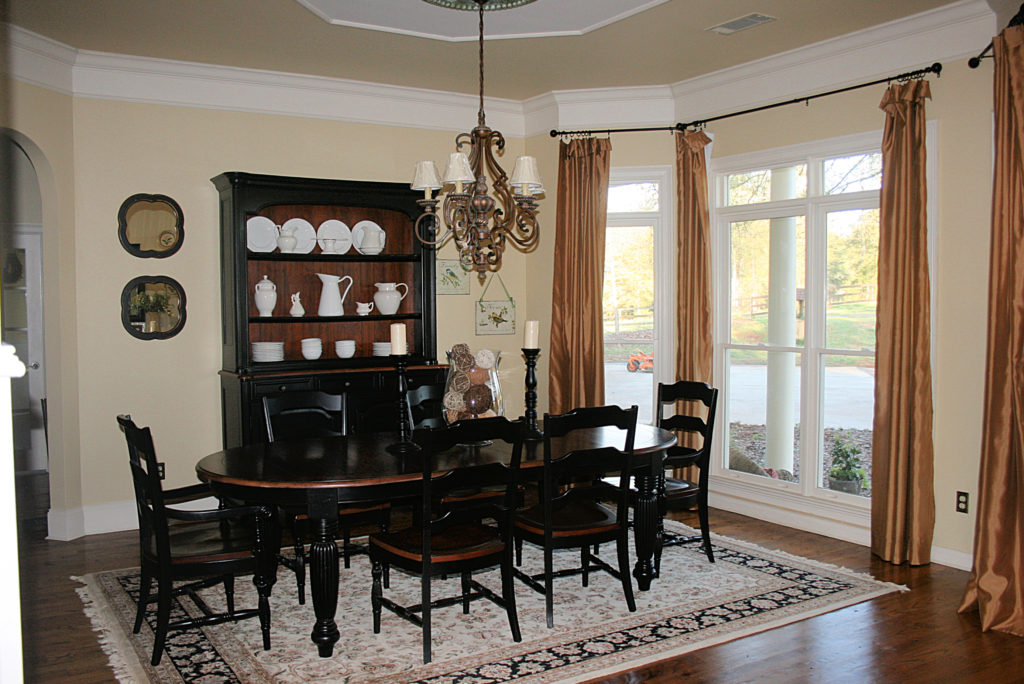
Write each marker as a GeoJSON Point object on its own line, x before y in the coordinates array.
{"type": "Point", "coordinates": [457, 543]}
{"type": "Point", "coordinates": [678, 489]}
{"type": "Point", "coordinates": [194, 542]}
{"type": "Point", "coordinates": [577, 517]}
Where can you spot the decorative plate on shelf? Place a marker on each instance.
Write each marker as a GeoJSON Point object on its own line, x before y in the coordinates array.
{"type": "Point", "coordinates": [305, 235]}
{"type": "Point", "coordinates": [260, 234]}
{"type": "Point", "coordinates": [333, 229]}
{"type": "Point", "coordinates": [368, 237]}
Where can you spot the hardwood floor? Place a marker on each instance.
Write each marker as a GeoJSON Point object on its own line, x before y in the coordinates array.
{"type": "Point", "coordinates": [915, 636]}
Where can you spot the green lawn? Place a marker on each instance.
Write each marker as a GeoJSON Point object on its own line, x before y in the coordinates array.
{"type": "Point", "coordinates": [848, 326]}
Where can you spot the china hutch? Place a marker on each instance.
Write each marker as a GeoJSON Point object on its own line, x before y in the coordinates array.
{"type": "Point", "coordinates": [252, 208]}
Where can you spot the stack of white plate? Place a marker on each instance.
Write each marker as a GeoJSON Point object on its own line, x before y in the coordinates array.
{"type": "Point", "coordinates": [267, 351]}
{"type": "Point", "coordinates": [312, 348]}
{"type": "Point", "coordinates": [382, 349]}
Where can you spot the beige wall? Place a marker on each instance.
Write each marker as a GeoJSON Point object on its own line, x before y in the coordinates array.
{"type": "Point", "coordinates": [124, 148]}
{"type": "Point", "coordinates": [96, 153]}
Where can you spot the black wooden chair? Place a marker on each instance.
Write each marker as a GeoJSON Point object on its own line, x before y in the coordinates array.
{"type": "Point", "coordinates": [459, 540]}
{"type": "Point", "coordinates": [380, 414]}
{"type": "Point", "coordinates": [569, 516]}
{"type": "Point", "coordinates": [299, 415]}
{"type": "Point", "coordinates": [678, 493]}
{"type": "Point", "coordinates": [205, 547]}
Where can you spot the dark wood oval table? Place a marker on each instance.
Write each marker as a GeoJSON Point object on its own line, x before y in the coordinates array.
{"type": "Point", "coordinates": [321, 473]}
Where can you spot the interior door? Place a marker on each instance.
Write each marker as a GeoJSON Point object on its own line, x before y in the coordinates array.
{"type": "Point", "coordinates": [21, 277]}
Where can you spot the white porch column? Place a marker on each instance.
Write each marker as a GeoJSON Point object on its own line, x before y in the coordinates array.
{"type": "Point", "coordinates": [782, 373]}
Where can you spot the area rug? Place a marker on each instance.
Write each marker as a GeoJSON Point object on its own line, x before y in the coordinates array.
{"type": "Point", "coordinates": [692, 605]}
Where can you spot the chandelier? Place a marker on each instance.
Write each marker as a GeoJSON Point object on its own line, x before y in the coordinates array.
{"type": "Point", "coordinates": [481, 221]}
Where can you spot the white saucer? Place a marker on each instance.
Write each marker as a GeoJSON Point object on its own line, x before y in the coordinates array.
{"type": "Point", "coordinates": [260, 234]}
{"type": "Point", "coordinates": [305, 236]}
{"type": "Point", "coordinates": [333, 229]}
{"type": "Point", "coordinates": [360, 230]}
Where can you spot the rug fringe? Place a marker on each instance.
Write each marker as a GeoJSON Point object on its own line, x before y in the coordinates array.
{"type": "Point", "coordinates": [113, 641]}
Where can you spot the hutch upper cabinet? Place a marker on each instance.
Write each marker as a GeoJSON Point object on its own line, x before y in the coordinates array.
{"type": "Point", "coordinates": [252, 207]}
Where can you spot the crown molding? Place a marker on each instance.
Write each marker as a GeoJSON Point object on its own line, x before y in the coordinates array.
{"type": "Point", "coordinates": [948, 33]}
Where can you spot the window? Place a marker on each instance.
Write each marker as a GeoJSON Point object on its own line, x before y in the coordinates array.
{"type": "Point", "coordinates": [796, 287]}
{"type": "Point", "coordinates": [637, 294]}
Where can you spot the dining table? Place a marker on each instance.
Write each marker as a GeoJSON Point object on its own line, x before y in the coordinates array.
{"type": "Point", "coordinates": [321, 473]}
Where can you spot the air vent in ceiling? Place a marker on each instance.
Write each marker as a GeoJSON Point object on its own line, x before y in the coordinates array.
{"type": "Point", "coordinates": [734, 25]}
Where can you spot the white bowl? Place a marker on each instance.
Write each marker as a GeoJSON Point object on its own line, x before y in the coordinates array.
{"type": "Point", "coordinates": [310, 354]}
{"type": "Point", "coordinates": [344, 352]}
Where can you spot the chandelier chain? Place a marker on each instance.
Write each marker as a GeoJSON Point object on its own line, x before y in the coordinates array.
{"type": "Point", "coordinates": [480, 114]}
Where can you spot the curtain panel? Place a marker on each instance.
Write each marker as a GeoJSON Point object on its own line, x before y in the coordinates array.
{"type": "Point", "coordinates": [693, 252]}
{"type": "Point", "coordinates": [576, 365]}
{"type": "Point", "coordinates": [996, 583]}
{"type": "Point", "coordinates": [902, 498]}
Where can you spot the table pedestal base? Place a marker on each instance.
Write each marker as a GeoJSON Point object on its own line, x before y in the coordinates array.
{"type": "Point", "coordinates": [323, 569]}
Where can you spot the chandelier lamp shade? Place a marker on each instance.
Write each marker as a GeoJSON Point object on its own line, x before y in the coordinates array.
{"type": "Point", "coordinates": [480, 217]}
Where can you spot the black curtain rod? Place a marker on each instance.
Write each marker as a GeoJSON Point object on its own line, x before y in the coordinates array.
{"type": "Point", "coordinates": [1017, 20]}
{"type": "Point", "coordinates": [933, 69]}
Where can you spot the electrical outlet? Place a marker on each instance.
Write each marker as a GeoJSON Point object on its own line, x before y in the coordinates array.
{"type": "Point", "coordinates": [163, 473]}
{"type": "Point", "coordinates": [961, 502]}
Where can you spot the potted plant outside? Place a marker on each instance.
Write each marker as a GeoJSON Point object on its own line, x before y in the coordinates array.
{"type": "Point", "coordinates": [846, 473]}
{"type": "Point", "coordinates": [151, 304]}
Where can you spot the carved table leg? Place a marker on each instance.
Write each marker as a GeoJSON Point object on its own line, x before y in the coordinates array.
{"type": "Point", "coordinates": [268, 542]}
{"type": "Point", "coordinates": [646, 523]}
{"type": "Point", "coordinates": [323, 568]}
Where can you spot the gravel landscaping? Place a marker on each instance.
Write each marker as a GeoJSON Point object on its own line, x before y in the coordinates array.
{"type": "Point", "coordinates": [749, 440]}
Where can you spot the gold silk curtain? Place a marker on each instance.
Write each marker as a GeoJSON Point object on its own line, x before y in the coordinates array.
{"type": "Point", "coordinates": [902, 497]}
{"type": "Point", "coordinates": [693, 253]}
{"type": "Point", "coordinates": [576, 365]}
{"type": "Point", "coordinates": [996, 584]}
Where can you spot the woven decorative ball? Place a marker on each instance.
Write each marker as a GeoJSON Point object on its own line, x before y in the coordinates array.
{"type": "Point", "coordinates": [459, 381]}
{"type": "Point", "coordinates": [477, 375]}
{"type": "Point", "coordinates": [454, 401]}
{"type": "Point", "coordinates": [461, 348]}
{"type": "Point", "coordinates": [485, 358]}
{"type": "Point", "coordinates": [462, 362]}
{"type": "Point", "coordinates": [478, 399]}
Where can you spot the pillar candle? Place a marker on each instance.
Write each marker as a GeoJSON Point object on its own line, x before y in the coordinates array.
{"type": "Point", "coordinates": [398, 339]}
{"type": "Point", "coordinates": [532, 340]}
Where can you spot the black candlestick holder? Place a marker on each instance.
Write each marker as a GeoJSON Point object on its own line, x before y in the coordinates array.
{"type": "Point", "coordinates": [532, 430]}
{"type": "Point", "coordinates": [404, 444]}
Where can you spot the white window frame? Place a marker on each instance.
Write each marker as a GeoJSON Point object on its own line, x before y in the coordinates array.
{"type": "Point", "coordinates": [805, 504]}
{"type": "Point", "coordinates": [663, 222]}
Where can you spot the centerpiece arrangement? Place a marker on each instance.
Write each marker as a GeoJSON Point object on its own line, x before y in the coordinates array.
{"type": "Point", "coordinates": [472, 389]}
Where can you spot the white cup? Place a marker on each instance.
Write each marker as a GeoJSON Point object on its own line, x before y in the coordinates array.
{"type": "Point", "coordinates": [310, 353]}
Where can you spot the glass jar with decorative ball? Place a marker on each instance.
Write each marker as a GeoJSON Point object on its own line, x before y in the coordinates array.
{"type": "Point", "coordinates": [472, 389]}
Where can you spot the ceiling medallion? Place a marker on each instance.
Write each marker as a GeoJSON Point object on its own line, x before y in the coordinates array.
{"type": "Point", "coordinates": [480, 219]}
{"type": "Point", "coordinates": [473, 5]}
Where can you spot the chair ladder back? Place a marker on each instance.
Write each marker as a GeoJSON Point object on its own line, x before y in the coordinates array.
{"type": "Point", "coordinates": [146, 480]}
{"type": "Point", "coordinates": [294, 415]}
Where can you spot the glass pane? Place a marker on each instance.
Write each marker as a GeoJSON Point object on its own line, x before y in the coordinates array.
{"type": "Point", "coordinates": [13, 272]}
{"type": "Point", "coordinates": [633, 197]}
{"type": "Point", "coordinates": [853, 174]}
{"type": "Point", "coordinates": [766, 185]}
{"type": "Point", "coordinates": [848, 389]}
{"type": "Point", "coordinates": [15, 313]}
{"type": "Point", "coordinates": [764, 436]}
{"type": "Point", "coordinates": [852, 276]}
{"type": "Point", "coordinates": [767, 258]}
{"type": "Point", "coordinates": [628, 303]}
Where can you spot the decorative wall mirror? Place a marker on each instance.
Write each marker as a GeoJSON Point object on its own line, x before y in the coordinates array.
{"type": "Point", "coordinates": [153, 307]}
{"type": "Point", "coordinates": [151, 226]}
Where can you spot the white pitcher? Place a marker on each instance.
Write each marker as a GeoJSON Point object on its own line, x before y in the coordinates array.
{"type": "Point", "coordinates": [266, 296]}
{"type": "Point", "coordinates": [387, 298]}
{"type": "Point", "coordinates": [332, 300]}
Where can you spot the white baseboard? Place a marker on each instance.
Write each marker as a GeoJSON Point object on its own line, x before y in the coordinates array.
{"type": "Point", "coordinates": [952, 558]}
{"type": "Point", "coordinates": [117, 516]}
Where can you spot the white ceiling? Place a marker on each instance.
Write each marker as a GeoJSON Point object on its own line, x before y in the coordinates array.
{"type": "Point", "coordinates": [539, 19]}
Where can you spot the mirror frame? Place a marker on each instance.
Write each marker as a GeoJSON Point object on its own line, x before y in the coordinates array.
{"type": "Point", "coordinates": [122, 226]}
{"type": "Point", "coordinates": [126, 294]}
